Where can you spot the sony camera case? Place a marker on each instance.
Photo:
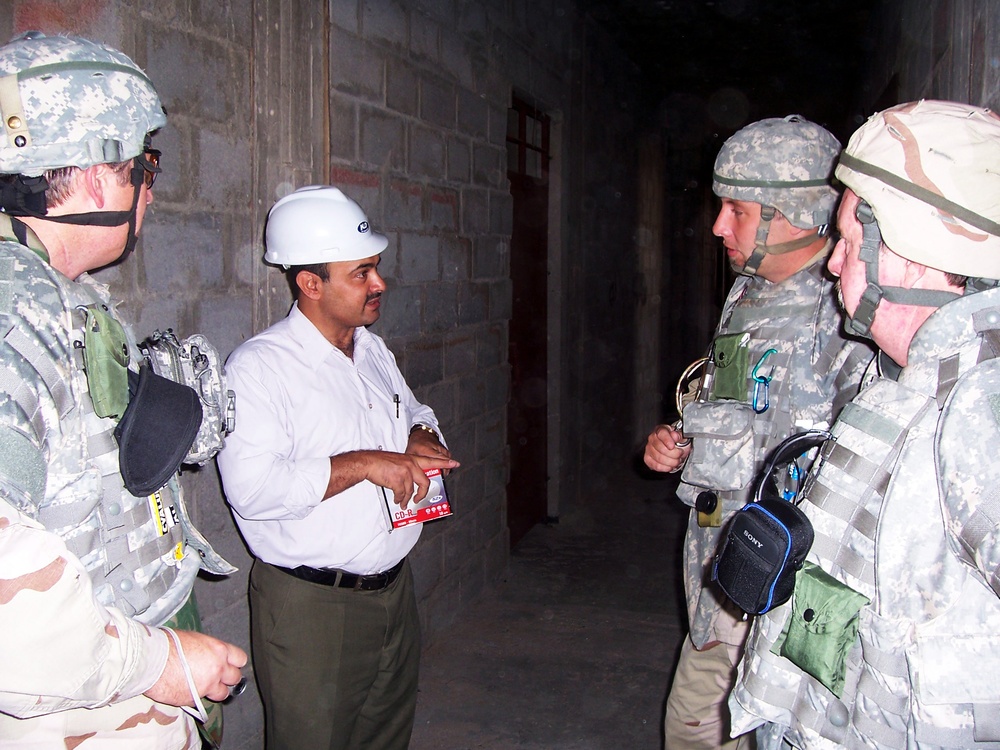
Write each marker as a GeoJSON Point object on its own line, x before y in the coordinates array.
{"type": "Point", "coordinates": [768, 538]}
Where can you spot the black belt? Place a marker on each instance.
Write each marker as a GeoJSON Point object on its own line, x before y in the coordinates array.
{"type": "Point", "coordinates": [340, 579]}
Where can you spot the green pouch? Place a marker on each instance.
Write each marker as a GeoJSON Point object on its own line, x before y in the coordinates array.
{"type": "Point", "coordinates": [822, 628]}
{"type": "Point", "coordinates": [730, 355]}
{"type": "Point", "coordinates": [105, 357]}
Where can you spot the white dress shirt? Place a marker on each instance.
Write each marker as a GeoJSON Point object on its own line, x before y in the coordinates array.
{"type": "Point", "coordinates": [300, 400]}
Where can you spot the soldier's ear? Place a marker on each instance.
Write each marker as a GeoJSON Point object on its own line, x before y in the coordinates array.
{"type": "Point", "coordinates": [96, 181]}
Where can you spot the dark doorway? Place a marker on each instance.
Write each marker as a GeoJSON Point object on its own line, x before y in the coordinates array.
{"type": "Point", "coordinates": [527, 434]}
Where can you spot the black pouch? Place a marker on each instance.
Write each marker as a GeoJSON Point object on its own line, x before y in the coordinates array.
{"type": "Point", "coordinates": [768, 539]}
{"type": "Point", "coordinates": [156, 430]}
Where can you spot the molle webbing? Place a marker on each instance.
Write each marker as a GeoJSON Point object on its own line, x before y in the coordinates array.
{"type": "Point", "coordinates": [21, 394]}
{"type": "Point", "coordinates": [844, 384]}
{"type": "Point", "coordinates": [857, 514]}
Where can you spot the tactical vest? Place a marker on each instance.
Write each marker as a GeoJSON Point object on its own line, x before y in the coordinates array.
{"type": "Point", "coordinates": [142, 553]}
{"type": "Point", "coordinates": [773, 330]}
{"type": "Point", "coordinates": [922, 670]}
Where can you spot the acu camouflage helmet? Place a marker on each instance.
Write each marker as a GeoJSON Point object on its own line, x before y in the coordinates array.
{"type": "Point", "coordinates": [930, 171]}
{"type": "Point", "coordinates": [70, 102]}
{"type": "Point", "coordinates": [782, 162]}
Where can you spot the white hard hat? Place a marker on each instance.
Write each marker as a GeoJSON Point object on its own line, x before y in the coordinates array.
{"type": "Point", "coordinates": [318, 224]}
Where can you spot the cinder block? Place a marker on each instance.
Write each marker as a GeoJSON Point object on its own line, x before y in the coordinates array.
{"type": "Point", "coordinates": [440, 307]}
{"type": "Point", "coordinates": [225, 170]}
{"type": "Point", "coordinates": [491, 345]}
{"type": "Point", "coordinates": [401, 86]}
{"type": "Point", "coordinates": [502, 300]}
{"type": "Point", "coordinates": [424, 362]}
{"type": "Point", "coordinates": [193, 75]}
{"type": "Point", "coordinates": [459, 160]}
{"type": "Point", "coordinates": [404, 205]}
{"type": "Point", "coordinates": [441, 398]}
{"type": "Point", "coordinates": [497, 388]}
{"type": "Point", "coordinates": [473, 303]}
{"type": "Point", "coordinates": [346, 75]}
{"type": "Point", "coordinates": [424, 36]}
{"type": "Point", "coordinates": [343, 127]}
{"type": "Point", "coordinates": [419, 257]}
{"type": "Point", "coordinates": [475, 212]}
{"type": "Point", "coordinates": [501, 213]}
{"type": "Point", "coordinates": [401, 310]}
{"type": "Point", "coordinates": [346, 15]}
{"type": "Point", "coordinates": [437, 102]}
{"type": "Point", "coordinates": [384, 21]}
{"type": "Point", "coordinates": [426, 153]}
{"type": "Point", "coordinates": [184, 255]}
{"type": "Point", "coordinates": [473, 114]}
{"type": "Point", "coordinates": [442, 213]}
{"type": "Point", "coordinates": [455, 258]}
{"type": "Point", "coordinates": [227, 320]}
{"type": "Point", "coordinates": [459, 353]}
{"type": "Point", "coordinates": [487, 165]}
{"type": "Point", "coordinates": [490, 258]}
{"type": "Point", "coordinates": [471, 401]}
{"type": "Point", "coordinates": [382, 139]}
{"type": "Point", "coordinates": [457, 55]}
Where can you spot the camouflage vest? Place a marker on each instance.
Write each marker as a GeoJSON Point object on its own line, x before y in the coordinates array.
{"type": "Point", "coordinates": [789, 334]}
{"type": "Point", "coordinates": [142, 553]}
{"type": "Point", "coordinates": [896, 505]}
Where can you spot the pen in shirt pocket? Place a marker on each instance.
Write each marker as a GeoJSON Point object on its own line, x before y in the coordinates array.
{"type": "Point", "coordinates": [395, 398]}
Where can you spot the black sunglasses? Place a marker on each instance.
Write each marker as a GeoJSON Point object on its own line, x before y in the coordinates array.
{"type": "Point", "coordinates": [149, 162]}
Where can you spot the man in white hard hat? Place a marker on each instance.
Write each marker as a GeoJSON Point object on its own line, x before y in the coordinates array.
{"type": "Point", "coordinates": [891, 637]}
{"type": "Point", "coordinates": [97, 556]}
{"type": "Point", "coordinates": [325, 424]}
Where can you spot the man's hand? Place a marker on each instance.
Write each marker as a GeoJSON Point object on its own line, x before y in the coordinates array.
{"type": "Point", "coordinates": [215, 666]}
{"type": "Point", "coordinates": [425, 443]}
{"type": "Point", "coordinates": [399, 472]}
{"type": "Point", "coordinates": [662, 450]}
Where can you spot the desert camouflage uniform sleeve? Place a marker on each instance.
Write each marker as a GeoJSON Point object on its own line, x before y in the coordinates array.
{"type": "Point", "coordinates": [968, 472]}
{"type": "Point", "coordinates": [61, 649]}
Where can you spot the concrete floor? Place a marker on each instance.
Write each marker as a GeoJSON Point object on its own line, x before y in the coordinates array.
{"type": "Point", "coordinates": [574, 649]}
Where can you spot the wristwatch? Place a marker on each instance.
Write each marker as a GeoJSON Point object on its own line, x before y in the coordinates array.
{"type": "Point", "coordinates": [421, 426]}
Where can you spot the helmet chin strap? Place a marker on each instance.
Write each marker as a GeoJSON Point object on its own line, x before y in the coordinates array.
{"type": "Point", "coordinates": [761, 248]}
{"type": "Point", "coordinates": [23, 200]}
{"type": "Point", "coordinates": [860, 323]}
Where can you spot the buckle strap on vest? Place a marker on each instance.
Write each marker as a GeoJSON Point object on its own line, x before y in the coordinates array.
{"type": "Point", "coordinates": [45, 367]}
{"type": "Point", "coordinates": [947, 377]}
{"type": "Point", "coordinates": [27, 401]}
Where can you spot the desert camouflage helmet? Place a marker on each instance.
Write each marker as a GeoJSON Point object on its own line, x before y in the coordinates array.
{"type": "Point", "coordinates": [67, 101]}
{"type": "Point", "coordinates": [783, 162]}
{"type": "Point", "coordinates": [930, 171]}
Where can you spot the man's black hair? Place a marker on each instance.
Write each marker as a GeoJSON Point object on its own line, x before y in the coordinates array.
{"type": "Point", "coordinates": [320, 269]}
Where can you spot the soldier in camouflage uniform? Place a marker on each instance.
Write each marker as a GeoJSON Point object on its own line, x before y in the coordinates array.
{"type": "Point", "coordinates": [892, 636]}
{"type": "Point", "coordinates": [779, 364]}
{"type": "Point", "coordinates": [94, 563]}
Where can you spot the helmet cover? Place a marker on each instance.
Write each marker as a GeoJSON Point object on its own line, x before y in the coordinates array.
{"type": "Point", "coordinates": [70, 102]}
{"type": "Point", "coordinates": [784, 162]}
{"type": "Point", "coordinates": [318, 224]}
{"type": "Point", "coordinates": [930, 170]}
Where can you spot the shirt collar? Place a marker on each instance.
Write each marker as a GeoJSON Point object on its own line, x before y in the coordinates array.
{"type": "Point", "coordinates": [314, 344]}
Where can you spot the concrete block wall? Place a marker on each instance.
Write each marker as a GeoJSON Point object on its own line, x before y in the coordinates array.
{"type": "Point", "coordinates": [416, 105]}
